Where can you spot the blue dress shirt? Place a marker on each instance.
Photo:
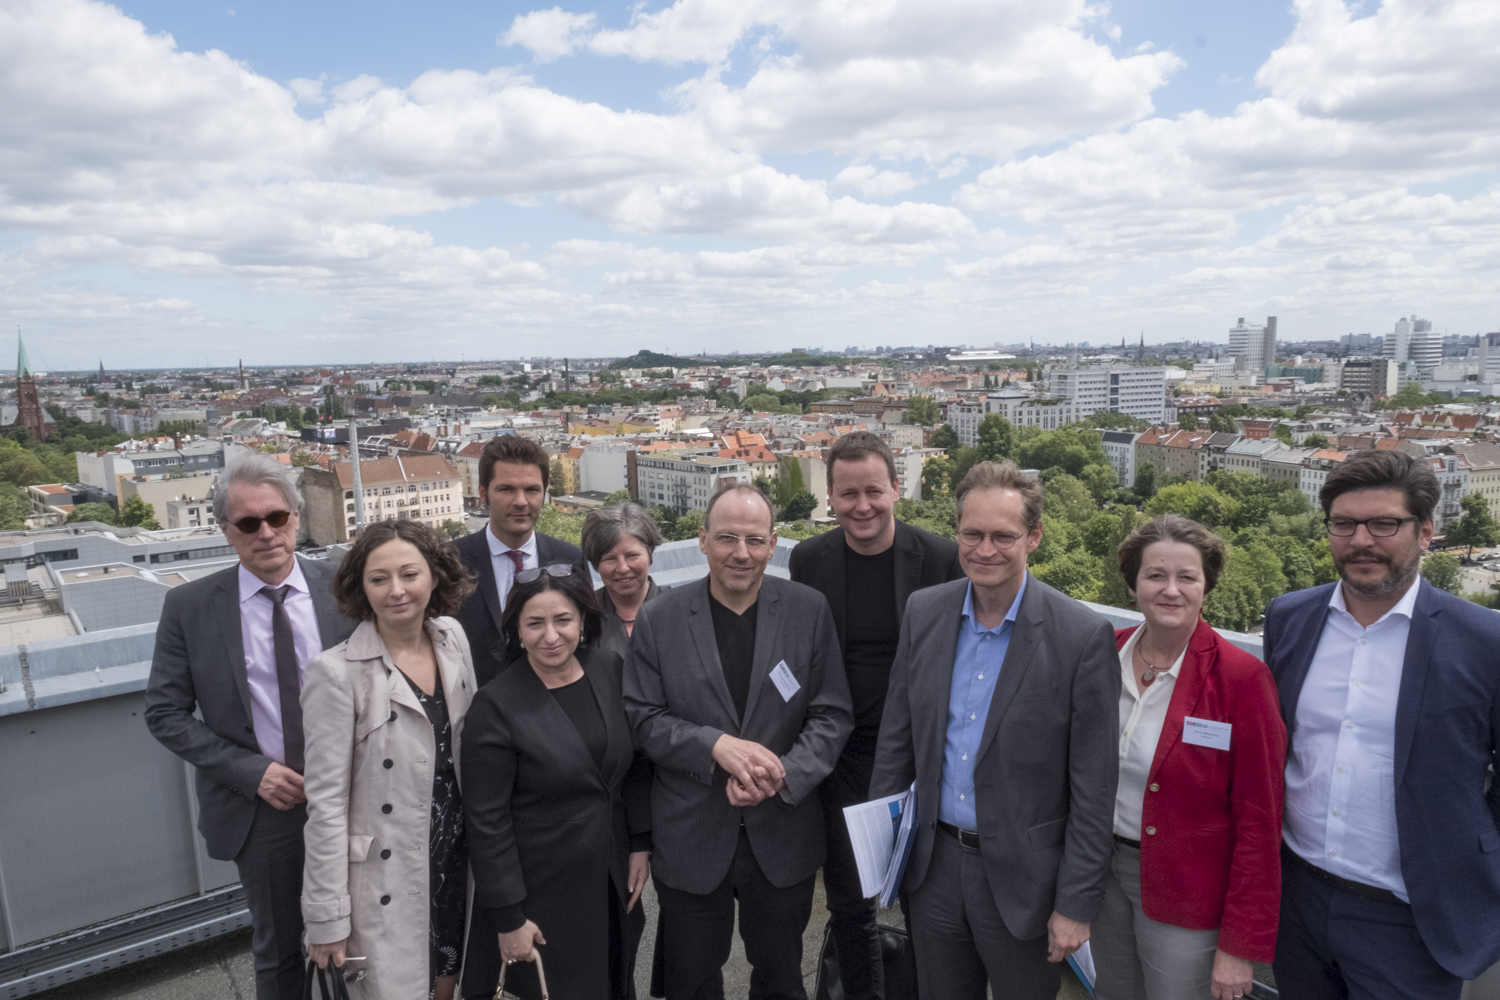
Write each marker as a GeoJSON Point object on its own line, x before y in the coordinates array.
{"type": "Point", "coordinates": [976, 667]}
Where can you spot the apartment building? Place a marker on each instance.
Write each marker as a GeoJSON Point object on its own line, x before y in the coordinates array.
{"type": "Point", "coordinates": [1484, 471]}
{"type": "Point", "coordinates": [1315, 470]}
{"type": "Point", "coordinates": [1138, 392]}
{"type": "Point", "coordinates": [1024, 410]}
{"type": "Point", "coordinates": [1119, 448]}
{"type": "Point", "coordinates": [1249, 454]}
{"type": "Point", "coordinates": [1452, 473]}
{"type": "Point", "coordinates": [685, 482]}
{"type": "Point", "coordinates": [422, 488]}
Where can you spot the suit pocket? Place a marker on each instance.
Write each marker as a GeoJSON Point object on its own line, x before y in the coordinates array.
{"type": "Point", "coordinates": [1489, 841]}
{"type": "Point", "coordinates": [359, 847]}
{"type": "Point", "coordinates": [1045, 835]}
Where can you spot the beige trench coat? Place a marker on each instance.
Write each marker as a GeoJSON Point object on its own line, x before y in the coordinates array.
{"type": "Point", "coordinates": [369, 799]}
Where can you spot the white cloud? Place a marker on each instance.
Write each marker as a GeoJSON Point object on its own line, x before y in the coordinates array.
{"type": "Point", "coordinates": [867, 180]}
{"type": "Point", "coordinates": [549, 34]}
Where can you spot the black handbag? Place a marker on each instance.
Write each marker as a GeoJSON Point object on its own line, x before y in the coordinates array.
{"type": "Point", "coordinates": [330, 983]}
{"type": "Point", "coordinates": [896, 958]}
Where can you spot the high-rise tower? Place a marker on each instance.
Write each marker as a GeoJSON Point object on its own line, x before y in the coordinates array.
{"type": "Point", "coordinates": [29, 413]}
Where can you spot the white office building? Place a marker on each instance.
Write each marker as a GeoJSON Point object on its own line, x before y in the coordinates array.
{"type": "Point", "coordinates": [1137, 392]}
{"type": "Point", "coordinates": [1252, 347]}
{"type": "Point", "coordinates": [688, 482]}
{"type": "Point", "coordinates": [1119, 448]}
{"type": "Point", "coordinates": [1416, 341]}
{"type": "Point", "coordinates": [1024, 410]}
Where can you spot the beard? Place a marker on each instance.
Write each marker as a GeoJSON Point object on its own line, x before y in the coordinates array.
{"type": "Point", "coordinates": [1398, 576]}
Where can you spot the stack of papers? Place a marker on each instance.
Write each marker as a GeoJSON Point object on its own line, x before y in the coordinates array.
{"type": "Point", "coordinates": [881, 833]}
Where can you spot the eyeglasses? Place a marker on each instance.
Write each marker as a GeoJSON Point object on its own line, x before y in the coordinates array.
{"type": "Point", "coordinates": [556, 571]}
{"type": "Point", "coordinates": [251, 525]}
{"type": "Point", "coordinates": [1378, 527]}
{"type": "Point", "coordinates": [973, 538]}
{"type": "Point", "coordinates": [752, 542]}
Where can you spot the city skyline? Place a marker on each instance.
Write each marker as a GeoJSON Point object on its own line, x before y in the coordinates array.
{"type": "Point", "coordinates": [293, 184]}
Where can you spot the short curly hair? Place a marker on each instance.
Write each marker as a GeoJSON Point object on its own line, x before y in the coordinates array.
{"type": "Point", "coordinates": [1173, 528]}
{"type": "Point", "coordinates": [451, 583]}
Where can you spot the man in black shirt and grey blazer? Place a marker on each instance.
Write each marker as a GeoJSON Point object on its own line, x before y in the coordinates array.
{"type": "Point", "coordinates": [867, 567]}
{"type": "Point", "coordinates": [513, 473]}
{"type": "Point", "coordinates": [736, 692]}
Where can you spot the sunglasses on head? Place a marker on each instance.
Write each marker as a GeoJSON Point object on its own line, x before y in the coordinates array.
{"type": "Point", "coordinates": [251, 525]}
{"type": "Point", "coordinates": [557, 570]}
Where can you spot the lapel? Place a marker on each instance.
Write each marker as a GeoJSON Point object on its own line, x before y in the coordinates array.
{"type": "Point", "coordinates": [332, 627]}
{"type": "Point", "coordinates": [1303, 645]}
{"type": "Point", "coordinates": [477, 555]}
{"type": "Point", "coordinates": [1025, 632]}
{"type": "Point", "coordinates": [908, 566]}
{"type": "Point", "coordinates": [365, 644]}
{"type": "Point", "coordinates": [931, 692]}
{"type": "Point", "coordinates": [767, 629]}
{"type": "Point", "coordinates": [701, 627]}
{"type": "Point", "coordinates": [834, 578]}
{"type": "Point", "coordinates": [618, 750]}
{"type": "Point", "coordinates": [227, 613]}
{"type": "Point", "coordinates": [1419, 642]}
{"type": "Point", "coordinates": [552, 722]}
{"type": "Point", "coordinates": [1202, 656]}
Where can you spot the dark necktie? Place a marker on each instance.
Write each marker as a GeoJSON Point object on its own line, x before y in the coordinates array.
{"type": "Point", "coordinates": [517, 557]}
{"type": "Point", "coordinates": [288, 683]}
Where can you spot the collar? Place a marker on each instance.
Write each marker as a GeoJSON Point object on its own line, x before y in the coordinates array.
{"type": "Point", "coordinates": [499, 548]}
{"type": "Point", "coordinates": [1128, 650]}
{"type": "Point", "coordinates": [1010, 616]}
{"type": "Point", "coordinates": [250, 584]}
{"type": "Point", "coordinates": [1405, 607]}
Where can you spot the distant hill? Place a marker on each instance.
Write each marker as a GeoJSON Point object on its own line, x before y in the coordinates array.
{"type": "Point", "coordinates": [650, 359]}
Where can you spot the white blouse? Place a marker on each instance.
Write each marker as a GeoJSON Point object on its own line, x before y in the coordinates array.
{"type": "Point", "coordinates": [1141, 720]}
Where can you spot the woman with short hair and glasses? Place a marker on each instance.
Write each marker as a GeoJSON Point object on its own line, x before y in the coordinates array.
{"type": "Point", "coordinates": [1192, 893]}
{"type": "Point", "coordinates": [618, 541]}
{"type": "Point", "coordinates": [386, 871]}
{"type": "Point", "coordinates": [557, 800]}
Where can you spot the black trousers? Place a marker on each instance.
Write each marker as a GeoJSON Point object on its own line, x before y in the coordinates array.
{"type": "Point", "coordinates": [961, 941]}
{"type": "Point", "coordinates": [270, 866]}
{"type": "Point", "coordinates": [855, 936]}
{"type": "Point", "coordinates": [697, 931]}
{"type": "Point", "coordinates": [1334, 945]}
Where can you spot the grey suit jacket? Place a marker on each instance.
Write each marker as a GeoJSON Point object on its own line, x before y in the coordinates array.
{"type": "Point", "coordinates": [614, 637]}
{"type": "Point", "coordinates": [1044, 782]}
{"type": "Point", "coordinates": [679, 705]}
{"type": "Point", "coordinates": [199, 664]}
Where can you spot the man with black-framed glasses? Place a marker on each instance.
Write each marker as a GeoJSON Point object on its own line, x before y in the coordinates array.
{"type": "Point", "coordinates": [233, 646]}
{"type": "Point", "coordinates": [1390, 689]}
{"type": "Point", "coordinates": [736, 692]}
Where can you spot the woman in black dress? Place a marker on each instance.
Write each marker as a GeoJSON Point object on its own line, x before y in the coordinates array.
{"type": "Point", "coordinates": [386, 868]}
{"type": "Point", "coordinates": [556, 800]}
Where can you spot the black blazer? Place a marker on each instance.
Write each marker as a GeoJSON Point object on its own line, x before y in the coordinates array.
{"type": "Point", "coordinates": [614, 637]}
{"type": "Point", "coordinates": [548, 830]}
{"type": "Point", "coordinates": [199, 663]}
{"type": "Point", "coordinates": [480, 613]}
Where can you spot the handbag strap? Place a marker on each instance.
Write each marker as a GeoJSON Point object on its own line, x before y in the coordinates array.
{"type": "Point", "coordinates": [331, 985]}
{"type": "Point", "coordinates": [541, 976]}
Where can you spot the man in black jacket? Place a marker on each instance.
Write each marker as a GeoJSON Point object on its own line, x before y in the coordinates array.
{"type": "Point", "coordinates": [867, 567]}
{"type": "Point", "coordinates": [513, 473]}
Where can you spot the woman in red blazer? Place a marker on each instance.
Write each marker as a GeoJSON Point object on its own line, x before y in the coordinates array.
{"type": "Point", "coordinates": [1194, 890]}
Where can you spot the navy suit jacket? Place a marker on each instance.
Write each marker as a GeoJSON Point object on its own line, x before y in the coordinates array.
{"type": "Point", "coordinates": [1447, 721]}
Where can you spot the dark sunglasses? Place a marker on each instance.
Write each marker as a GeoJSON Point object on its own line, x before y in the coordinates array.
{"type": "Point", "coordinates": [556, 570]}
{"type": "Point", "coordinates": [251, 525]}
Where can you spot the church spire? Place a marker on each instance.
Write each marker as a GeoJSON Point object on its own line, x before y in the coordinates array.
{"type": "Point", "coordinates": [23, 364]}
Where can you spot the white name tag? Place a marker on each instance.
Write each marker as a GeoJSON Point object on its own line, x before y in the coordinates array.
{"type": "Point", "coordinates": [785, 682]}
{"type": "Point", "coordinates": [1206, 733]}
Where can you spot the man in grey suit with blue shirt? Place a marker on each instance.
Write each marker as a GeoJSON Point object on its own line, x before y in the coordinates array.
{"type": "Point", "coordinates": [233, 646]}
{"type": "Point", "coordinates": [1003, 709]}
{"type": "Point", "coordinates": [736, 692]}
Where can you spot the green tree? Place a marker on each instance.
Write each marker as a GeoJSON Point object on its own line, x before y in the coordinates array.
{"type": "Point", "coordinates": [1067, 498]}
{"type": "Point", "coordinates": [137, 513]}
{"type": "Point", "coordinates": [454, 530]}
{"type": "Point", "coordinates": [332, 406]}
{"type": "Point", "coordinates": [1101, 481]}
{"type": "Point", "coordinates": [618, 497]}
{"type": "Point", "coordinates": [14, 508]}
{"type": "Point", "coordinates": [1410, 397]}
{"type": "Point", "coordinates": [309, 416]}
{"type": "Point", "coordinates": [931, 513]}
{"type": "Point", "coordinates": [1283, 433]}
{"type": "Point", "coordinates": [789, 485]}
{"type": "Point", "coordinates": [1221, 423]}
{"type": "Point", "coordinates": [964, 459]}
{"type": "Point", "coordinates": [1067, 448]}
{"type": "Point", "coordinates": [558, 524]}
{"type": "Point", "coordinates": [1235, 603]}
{"type": "Point", "coordinates": [294, 418]}
{"type": "Point", "coordinates": [997, 439]}
{"type": "Point", "coordinates": [1198, 501]}
{"type": "Point", "coordinates": [1188, 421]}
{"type": "Point", "coordinates": [1114, 589]}
{"type": "Point", "coordinates": [1058, 536]}
{"type": "Point", "coordinates": [101, 512]}
{"type": "Point", "coordinates": [1145, 480]}
{"type": "Point", "coordinates": [1477, 528]}
{"type": "Point", "coordinates": [945, 438]}
{"type": "Point", "coordinates": [1076, 573]}
{"type": "Point", "coordinates": [762, 401]}
{"type": "Point", "coordinates": [1316, 441]}
{"type": "Point", "coordinates": [1443, 572]}
{"type": "Point", "coordinates": [687, 526]}
{"type": "Point", "coordinates": [937, 476]}
{"type": "Point", "coordinates": [922, 410]}
{"type": "Point", "coordinates": [800, 506]}
{"type": "Point", "coordinates": [799, 530]}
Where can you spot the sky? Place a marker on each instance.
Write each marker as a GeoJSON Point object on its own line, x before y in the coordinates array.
{"type": "Point", "coordinates": [329, 181]}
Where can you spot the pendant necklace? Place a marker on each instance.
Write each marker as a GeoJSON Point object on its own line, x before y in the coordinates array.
{"type": "Point", "coordinates": [1151, 669]}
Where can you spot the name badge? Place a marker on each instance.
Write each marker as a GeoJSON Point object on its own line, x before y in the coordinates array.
{"type": "Point", "coordinates": [1206, 733]}
{"type": "Point", "coordinates": [784, 680]}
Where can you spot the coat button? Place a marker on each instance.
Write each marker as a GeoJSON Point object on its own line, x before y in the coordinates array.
{"type": "Point", "coordinates": [385, 854]}
{"type": "Point", "coordinates": [393, 715]}
{"type": "Point", "coordinates": [390, 764]}
{"type": "Point", "coordinates": [387, 808]}
{"type": "Point", "coordinates": [385, 901]}
{"type": "Point", "coordinates": [1150, 831]}
{"type": "Point", "coordinates": [1155, 787]}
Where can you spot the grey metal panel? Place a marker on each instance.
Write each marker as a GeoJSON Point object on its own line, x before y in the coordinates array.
{"type": "Point", "coordinates": [94, 818]}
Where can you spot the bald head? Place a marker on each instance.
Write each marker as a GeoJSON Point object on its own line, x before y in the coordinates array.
{"type": "Point", "coordinates": [742, 499]}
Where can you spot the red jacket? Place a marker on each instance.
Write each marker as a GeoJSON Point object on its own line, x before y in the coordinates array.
{"type": "Point", "coordinates": [1214, 858]}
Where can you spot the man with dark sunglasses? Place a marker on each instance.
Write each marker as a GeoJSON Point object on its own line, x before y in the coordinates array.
{"type": "Point", "coordinates": [233, 646]}
{"type": "Point", "coordinates": [1390, 689]}
{"type": "Point", "coordinates": [513, 474]}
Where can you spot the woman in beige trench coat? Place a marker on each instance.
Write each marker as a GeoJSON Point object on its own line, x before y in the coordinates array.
{"type": "Point", "coordinates": [385, 882]}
